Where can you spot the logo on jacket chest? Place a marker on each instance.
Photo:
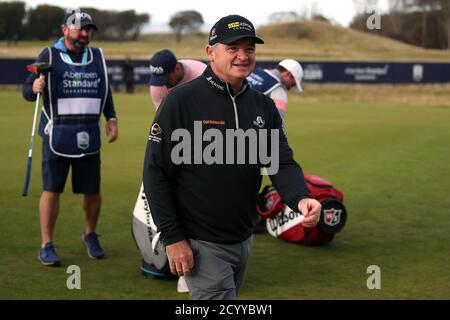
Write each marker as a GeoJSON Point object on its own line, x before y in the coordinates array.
{"type": "Point", "coordinates": [155, 133]}
{"type": "Point", "coordinates": [213, 122]}
{"type": "Point", "coordinates": [259, 122]}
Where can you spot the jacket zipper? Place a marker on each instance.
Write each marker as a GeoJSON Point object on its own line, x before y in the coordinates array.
{"type": "Point", "coordinates": [234, 104]}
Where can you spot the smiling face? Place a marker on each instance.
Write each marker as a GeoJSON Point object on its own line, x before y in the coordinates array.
{"type": "Point", "coordinates": [232, 62]}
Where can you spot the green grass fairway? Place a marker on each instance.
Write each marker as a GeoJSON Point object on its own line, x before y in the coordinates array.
{"type": "Point", "coordinates": [390, 160]}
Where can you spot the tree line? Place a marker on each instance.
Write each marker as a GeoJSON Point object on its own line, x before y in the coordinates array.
{"type": "Point", "coordinates": [424, 23]}
{"type": "Point", "coordinates": [43, 22]}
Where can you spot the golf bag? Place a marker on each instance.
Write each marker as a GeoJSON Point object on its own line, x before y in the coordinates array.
{"type": "Point", "coordinates": [146, 236]}
{"type": "Point", "coordinates": [284, 223]}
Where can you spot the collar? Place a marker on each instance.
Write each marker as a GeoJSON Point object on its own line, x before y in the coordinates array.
{"type": "Point", "coordinates": [277, 75]}
{"type": "Point", "coordinates": [59, 45]}
{"type": "Point", "coordinates": [217, 83]}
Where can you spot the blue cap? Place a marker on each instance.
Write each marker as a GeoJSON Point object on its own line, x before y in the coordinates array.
{"type": "Point", "coordinates": [78, 19]}
{"type": "Point", "coordinates": [161, 65]}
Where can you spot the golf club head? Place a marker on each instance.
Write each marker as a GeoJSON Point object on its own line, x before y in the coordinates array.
{"type": "Point", "coordinates": [39, 67]}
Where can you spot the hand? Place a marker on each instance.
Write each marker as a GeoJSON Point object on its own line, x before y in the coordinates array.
{"type": "Point", "coordinates": [112, 130]}
{"type": "Point", "coordinates": [38, 85]}
{"type": "Point", "coordinates": [181, 259]}
{"type": "Point", "coordinates": [310, 208]}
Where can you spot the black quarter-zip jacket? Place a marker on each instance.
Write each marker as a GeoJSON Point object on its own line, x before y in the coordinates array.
{"type": "Point", "coordinates": [212, 202]}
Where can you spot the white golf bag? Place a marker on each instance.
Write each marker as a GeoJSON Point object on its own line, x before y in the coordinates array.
{"type": "Point", "coordinates": [145, 234]}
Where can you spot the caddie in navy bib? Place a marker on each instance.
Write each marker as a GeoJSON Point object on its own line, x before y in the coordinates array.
{"type": "Point", "coordinates": [263, 81]}
{"type": "Point", "coordinates": [77, 95]}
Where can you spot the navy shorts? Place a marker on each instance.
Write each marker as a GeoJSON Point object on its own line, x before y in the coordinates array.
{"type": "Point", "coordinates": [85, 171]}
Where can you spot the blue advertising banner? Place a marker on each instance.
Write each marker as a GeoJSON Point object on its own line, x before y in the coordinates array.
{"type": "Point", "coordinates": [376, 72]}
{"type": "Point", "coordinates": [13, 71]}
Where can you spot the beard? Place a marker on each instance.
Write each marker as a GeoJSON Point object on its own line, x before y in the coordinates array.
{"type": "Point", "coordinates": [79, 42]}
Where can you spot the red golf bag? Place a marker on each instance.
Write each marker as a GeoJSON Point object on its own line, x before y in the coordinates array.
{"type": "Point", "coordinates": [284, 223]}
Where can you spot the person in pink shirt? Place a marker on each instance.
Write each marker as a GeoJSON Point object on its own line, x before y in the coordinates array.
{"type": "Point", "coordinates": [166, 72]}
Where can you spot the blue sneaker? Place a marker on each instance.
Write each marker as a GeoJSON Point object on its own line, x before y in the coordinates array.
{"type": "Point", "coordinates": [94, 250]}
{"type": "Point", "coordinates": [47, 255]}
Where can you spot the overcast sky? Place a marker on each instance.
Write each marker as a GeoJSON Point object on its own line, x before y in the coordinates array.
{"type": "Point", "coordinates": [341, 11]}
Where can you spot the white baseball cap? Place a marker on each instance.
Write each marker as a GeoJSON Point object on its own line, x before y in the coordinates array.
{"type": "Point", "coordinates": [296, 70]}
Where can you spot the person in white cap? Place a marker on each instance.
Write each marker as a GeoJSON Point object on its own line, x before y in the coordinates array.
{"type": "Point", "coordinates": [276, 83]}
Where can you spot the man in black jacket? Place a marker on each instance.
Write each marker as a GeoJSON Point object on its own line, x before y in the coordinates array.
{"type": "Point", "coordinates": [203, 195]}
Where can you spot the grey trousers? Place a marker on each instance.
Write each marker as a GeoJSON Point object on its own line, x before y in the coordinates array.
{"type": "Point", "coordinates": [219, 269]}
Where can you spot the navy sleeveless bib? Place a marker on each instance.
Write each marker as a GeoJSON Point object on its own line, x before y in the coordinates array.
{"type": "Point", "coordinates": [77, 96]}
{"type": "Point", "coordinates": [263, 81]}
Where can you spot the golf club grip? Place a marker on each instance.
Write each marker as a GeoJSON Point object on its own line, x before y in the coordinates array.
{"type": "Point", "coordinates": [27, 178]}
